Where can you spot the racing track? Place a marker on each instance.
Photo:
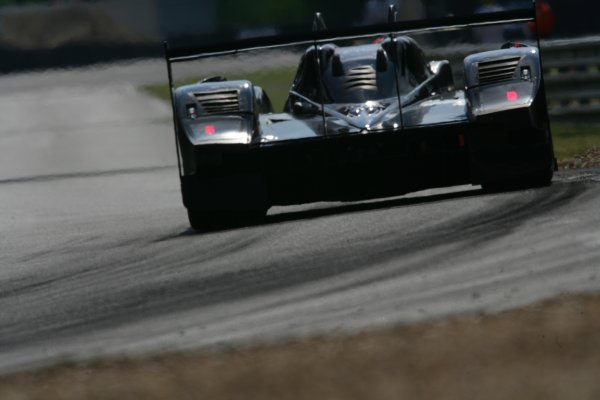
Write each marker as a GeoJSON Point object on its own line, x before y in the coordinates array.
{"type": "Point", "coordinates": [96, 257]}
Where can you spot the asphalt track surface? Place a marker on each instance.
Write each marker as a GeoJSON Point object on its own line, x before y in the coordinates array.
{"type": "Point", "coordinates": [96, 258]}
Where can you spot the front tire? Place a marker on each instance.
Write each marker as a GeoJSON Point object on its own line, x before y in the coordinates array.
{"type": "Point", "coordinates": [536, 179]}
{"type": "Point", "coordinates": [197, 219]}
{"type": "Point", "coordinates": [203, 220]}
{"type": "Point", "coordinates": [533, 180]}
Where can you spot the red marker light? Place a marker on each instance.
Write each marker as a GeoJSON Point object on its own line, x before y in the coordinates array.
{"type": "Point", "coordinates": [512, 95]}
{"type": "Point", "coordinates": [210, 129]}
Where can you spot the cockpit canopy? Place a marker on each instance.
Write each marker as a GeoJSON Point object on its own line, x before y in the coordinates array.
{"type": "Point", "coordinates": [356, 74]}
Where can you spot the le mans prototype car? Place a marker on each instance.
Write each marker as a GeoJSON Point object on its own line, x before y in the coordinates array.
{"type": "Point", "coordinates": [361, 121]}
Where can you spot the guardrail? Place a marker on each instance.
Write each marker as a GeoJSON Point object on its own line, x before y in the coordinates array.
{"type": "Point", "coordinates": [572, 74]}
{"type": "Point", "coordinates": [571, 71]}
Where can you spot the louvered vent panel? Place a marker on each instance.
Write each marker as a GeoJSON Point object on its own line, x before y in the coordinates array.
{"type": "Point", "coordinates": [497, 70]}
{"type": "Point", "coordinates": [221, 102]}
{"type": "Point", "coordinates": [361, 78]}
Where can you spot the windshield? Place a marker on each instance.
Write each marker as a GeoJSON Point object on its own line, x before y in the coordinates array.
{"type": "Point", "coordinates": [360, 73]}
{"type": "Point", "coordinates": [359, 81]}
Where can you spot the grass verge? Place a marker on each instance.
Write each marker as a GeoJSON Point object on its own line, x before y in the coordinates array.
{"type": "Point", "coordinates": [545, 351]}
{"type": "Point", "coordinates": [577, 145]}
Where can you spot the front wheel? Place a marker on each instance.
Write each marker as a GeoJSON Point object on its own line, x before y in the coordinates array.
{"type": "Point", "coordinates": [203, 220]}
{"type": "Point", "coordinates": [198, 219]}
{"type": "Point", "coordinates": [536, 179]}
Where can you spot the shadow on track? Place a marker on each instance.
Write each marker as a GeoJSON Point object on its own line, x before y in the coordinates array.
{"type": "Point", "coordinates": [327, 211]}
{"type": "Point", "coordinates": [369, 206]}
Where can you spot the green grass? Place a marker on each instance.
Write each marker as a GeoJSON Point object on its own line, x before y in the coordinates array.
{"type": "Point", "coordinates": [276, 82]}
{"type": "Point", "coordinates": [571, 139]}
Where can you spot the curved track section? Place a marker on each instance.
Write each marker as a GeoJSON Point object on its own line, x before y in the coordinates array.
{"type": "Point", "coordinates": [96, 257]}
{"type": "Point", "coordinates": [106, 265]}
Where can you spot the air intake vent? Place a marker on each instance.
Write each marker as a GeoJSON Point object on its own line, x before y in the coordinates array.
{"type": "Point", "coordinates": [221, 102]}
{"type": "Point", "coordinates": [361, 78]}
{"type": "Point", "coordinates": [497, 70]}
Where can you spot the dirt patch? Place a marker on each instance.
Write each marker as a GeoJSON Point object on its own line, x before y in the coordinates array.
{"type": "Point", "coordinates": [588, 159]}
{"type": "Point", "coordinates": [546, 351]}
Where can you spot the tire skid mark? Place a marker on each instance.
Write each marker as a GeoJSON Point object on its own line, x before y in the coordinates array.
{"type": "Point", "coordinates": [104, 305]}
{"type": "Point", "coordinates": [89, 174]}
{"type": "Point", "coordinates": [87, 266]}
{"type": "Point", "coordinates": [259, 276]}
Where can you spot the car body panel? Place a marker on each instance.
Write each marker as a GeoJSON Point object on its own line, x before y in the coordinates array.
{"type": "Point", "coordinates": [364, 121]}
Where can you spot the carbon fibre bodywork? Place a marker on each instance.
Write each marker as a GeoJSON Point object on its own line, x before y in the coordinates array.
{"type": "Point", "coordinates": [362, 121]}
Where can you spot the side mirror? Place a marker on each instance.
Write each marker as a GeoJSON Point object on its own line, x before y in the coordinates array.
{"type": "Point", "coordinates": [300, 108]}
{"type": "Point", "coordinates": [263, 103]}
{"type": "Point", "coordinates": [442, 75]}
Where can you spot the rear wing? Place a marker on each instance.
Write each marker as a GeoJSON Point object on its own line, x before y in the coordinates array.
{"type": "Point", "coordinates": [182, 54]}
{"type": "Point", "coordinates": [320, 34]}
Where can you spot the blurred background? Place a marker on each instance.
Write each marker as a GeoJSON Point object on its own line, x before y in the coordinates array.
{"type": "Point", "coordinates": [38, 34]}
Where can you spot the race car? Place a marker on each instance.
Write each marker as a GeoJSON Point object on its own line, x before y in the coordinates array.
{"type": "Point", "coordinates": [361, 121]}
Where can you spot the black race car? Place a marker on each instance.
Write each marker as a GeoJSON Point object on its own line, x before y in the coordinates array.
{"type": "Point", "coordinates": [361, 121]}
